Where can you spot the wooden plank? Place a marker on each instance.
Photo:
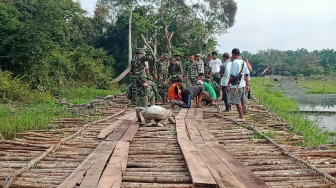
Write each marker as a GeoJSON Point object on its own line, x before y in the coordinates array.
{"type": "Point", "coordinates": [194, 134]}
{"type": "Point", "coordinates": [181, 130]}
{"type": "Point", "coordinates": [191, 113]}
{"type": "Point", "coordinates": [112, 175]}
{"type": "Point", "coordinates": [119, 132]}
{"type": "Point", "coordinates": [108, 130]}
{"type": "Point", "coordinates": [199, 172]}
{"type": "Point", "coordinates": [124, 117]}
{"type": "Point", "coordinates": [77, 175]}
{"type": "Point", "coordinates": [182, 113]}
{"type": "Point", "coordinates": [222, 174]}
{"type": "Point", "coordinates": [245, 175]}
{"type": "Point", "coordinates": [131, 131]}
{"type": "Point", "coordinates": [207, 136]}
{"type": "Point", "coordinates": [132, 117]}
{"type": "Point", "coordinates": [199, 113]}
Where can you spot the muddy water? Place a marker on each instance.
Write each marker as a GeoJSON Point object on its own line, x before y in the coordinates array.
{"type": "Point", "coordinates": [312, 102]}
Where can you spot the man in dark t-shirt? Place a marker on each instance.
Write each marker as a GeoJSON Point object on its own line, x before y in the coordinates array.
{"type": "Point", "coordinates": [192, 92]}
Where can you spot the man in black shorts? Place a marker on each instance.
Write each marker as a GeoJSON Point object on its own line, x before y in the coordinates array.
{"type": "Point", "coordinates": [192, 92]}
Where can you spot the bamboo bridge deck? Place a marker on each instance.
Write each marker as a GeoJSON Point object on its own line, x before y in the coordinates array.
{"type": "Point", "coordinates": [203, 149]}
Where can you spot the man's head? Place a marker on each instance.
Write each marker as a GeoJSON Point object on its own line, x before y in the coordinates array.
{"type": "Point", "coordinates": [178, 81]}
{"type": "Point", "coordinates": [164, 57]}
{"type": "Point", "coordinates": [201, 76]}
{"type": "Point", "coordinates": [172, 60]}
{"type": "Point", "coordinates": [235, 53]}
{"type": "Point", "coordinates": [178, 57]}
{"type": "Point", "coordinates": [226, 56]}
{"type": "Point", "coordinates": [210, 73]}
{"type": "Point", "coordinates": [139, 52]}
{"type": "Point", "coordinates": [198, 57]}
{"type": "Point", "coordinates": [214, 55]}
{"type": "Point", "coordinates": [191, 57]}
{"type": "Point", "coordinates": [199, 82]}
{"type": "Point", "coordinates": [209, 57]}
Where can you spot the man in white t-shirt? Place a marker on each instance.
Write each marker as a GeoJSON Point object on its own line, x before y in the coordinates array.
{"type": "Point", "coordinates": [215, 67]}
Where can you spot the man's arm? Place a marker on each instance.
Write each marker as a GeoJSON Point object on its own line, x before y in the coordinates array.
{"type": "Point", "coordinates": [247, 83]}
{"type": "Point", "coordinates": [147, 68]}
{"type": "Point", "coordinates": [228, 85]}
{"type": "Point", "coordinates": [199, 100]}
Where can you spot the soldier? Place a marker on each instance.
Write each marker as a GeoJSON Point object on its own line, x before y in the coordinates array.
{"type": "Point", "coordinates": [161, 76]}
{"type": "Point", "coordinates": [178, 59]}
{"type": "Point", "coordinates": [207, 65]}
{"type": "Point", "coordinates": [132, 91]}
{"type": "Point", "coordinates": [174, 70]}
{"type": "Point", "coordinates": [153, 93]}
{"type": "Point", "coordinates": [129, 93]}
{"type": "Point", "coordinates": [190, 71]}
{"type": "Point", "coordinates": [200, 64]}
{"type": "Point", "coordinates": [139, 67]}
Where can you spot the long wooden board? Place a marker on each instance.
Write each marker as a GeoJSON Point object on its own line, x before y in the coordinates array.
{"type": "Point", "coordinates": [222, 174]}
{"type": "Point", "coordinates": [77, 175]}
{"type": "Point", "coordinates": [194, 134]}
{"type": "Point", "coordinates": [199, 172]}
{"type": "Point", "coordinates": [191, 113]}
{"type": "Point", "coordinates": [199, 113]}
{"type": "Point", "coordinates": [207, 136]}
{"type": "Point", "coordinates": [124, 117]}
{"type": "Point", "coordinates": [132, 117]}
{"type": "Point", "coordinates": [245, 175]}
{"type": "Point", "coordinates": [109, 129]}
{"type": "Point", "coordinates": [112, 175]}
{"type": "Point", "coordinates": [131, 131]}
{"type": "Point", "coordinates": [120, 131]}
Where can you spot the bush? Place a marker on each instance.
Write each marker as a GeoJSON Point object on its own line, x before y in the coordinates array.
{"type": "Point", "coordinates": [14, 89]}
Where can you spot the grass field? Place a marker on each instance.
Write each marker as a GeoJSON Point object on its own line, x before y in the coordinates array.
{"type": "Point", "coordinates": [17, 118]}
{"type": "Point", "coordinates": [276, 102]}
{"type": "Point", "coordinates": [319, 87]}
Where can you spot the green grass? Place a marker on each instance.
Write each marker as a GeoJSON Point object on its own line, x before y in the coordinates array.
{"type": "Point", "coordinates": [259, 136]}
{"type": "Point", "coordinates": [20, 117]}
{"type": "Point", "coordinates": [319, 87]}
{"type": "Point", "coordinates": [276, 101]}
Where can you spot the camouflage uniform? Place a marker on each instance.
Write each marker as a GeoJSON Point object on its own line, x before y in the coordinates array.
{"type": "Point", "coordinates": [129, 92]}
{"type": "Point", "coordinates": [132, 93]}
{"type": "Point", "coordinates": [161, 71]}
{"type": "Point", "coordinates": [138, 68]}
{"type": "Point", "coordinates": [174, 69]}
{"type": "Point", "coordinates": [214, 85]}
{"type": "Point", "coordinates": [153, 93]}
{"type": "Point", "coordinates": [206, 67]}
{"type": "Point", "coordinates": [191, 73]}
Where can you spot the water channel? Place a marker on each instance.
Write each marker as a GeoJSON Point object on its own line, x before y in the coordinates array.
{"type": "Point", "coordinates": [312, 102]}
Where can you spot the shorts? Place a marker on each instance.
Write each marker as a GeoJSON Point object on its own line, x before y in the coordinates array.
{"type": "Point", "coordinates": [238, 98]}
{"type": "Point", "coordinates": [206, 97]}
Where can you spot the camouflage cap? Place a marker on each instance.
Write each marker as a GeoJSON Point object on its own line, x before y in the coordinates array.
{"type": "Point", "coordinates": [164, 55]}
{"type": "Point", "coordinates": [140, 51]}
{"type": "Point", "coordinates": [171, 59]}
{"type": "Point", "coordinates": [177, 55]}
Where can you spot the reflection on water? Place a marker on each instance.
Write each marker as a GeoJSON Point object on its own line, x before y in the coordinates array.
{"type": "Point", "coordinates": [312, 102]}
{"type": "Point", "coordinates": [329, 122]}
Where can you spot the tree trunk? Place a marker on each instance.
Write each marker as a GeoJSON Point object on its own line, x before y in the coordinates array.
{"type": "Point", "coordinates": [152, 47]}
{"type": "Point", "coordinates": [122, 75]}
{"type": "Point", "coordinates": [169, 36]}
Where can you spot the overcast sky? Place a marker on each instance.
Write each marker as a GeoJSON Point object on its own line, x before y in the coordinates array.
{"type": "Point", "coordinates": [278, 24]}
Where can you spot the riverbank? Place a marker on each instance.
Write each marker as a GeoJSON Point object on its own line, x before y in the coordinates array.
{"type": "Point", "coordinates": [20, 117]}
{"type": "Point", "coordinates": [278, 103]}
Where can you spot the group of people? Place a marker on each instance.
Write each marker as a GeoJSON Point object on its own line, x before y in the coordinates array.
{"type": "Point", "coordinates": [203, 80]}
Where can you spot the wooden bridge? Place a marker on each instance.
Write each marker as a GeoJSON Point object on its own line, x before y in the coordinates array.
{"type": "Point", "coordinates": [203, 149]}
